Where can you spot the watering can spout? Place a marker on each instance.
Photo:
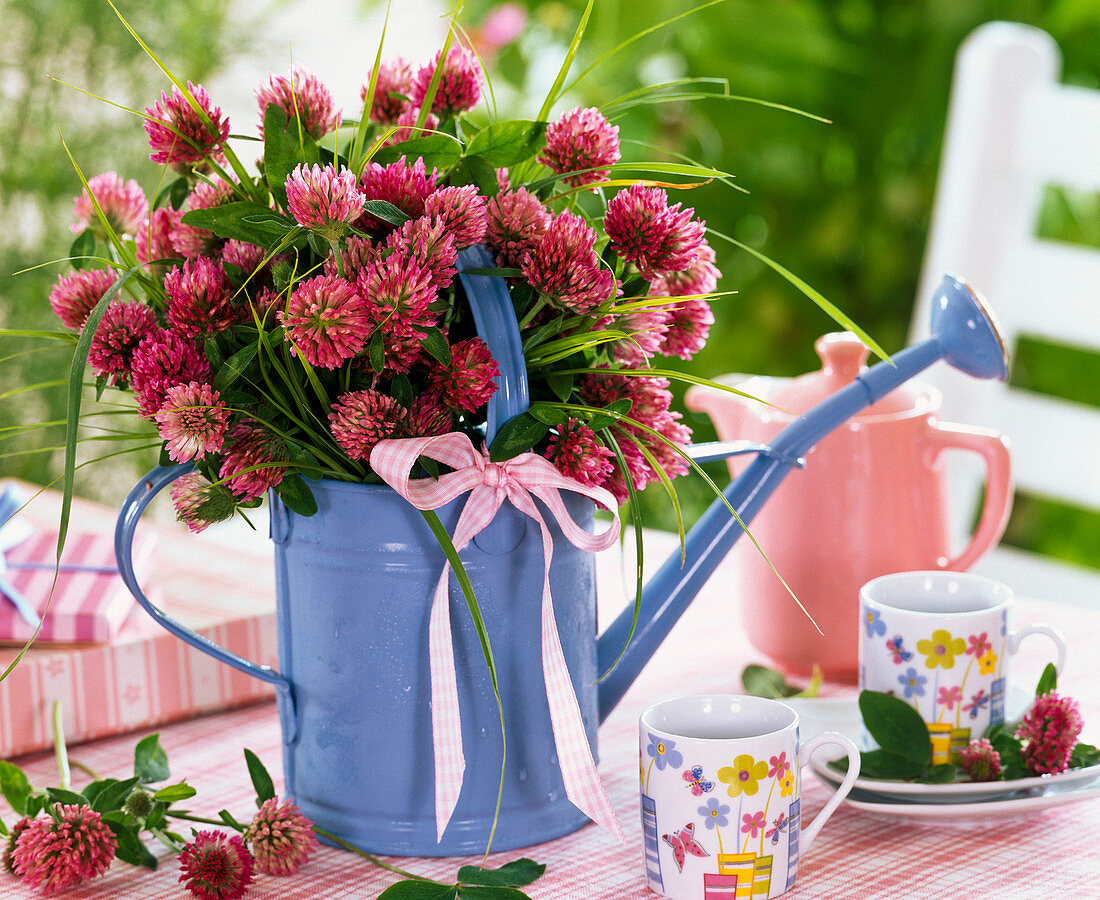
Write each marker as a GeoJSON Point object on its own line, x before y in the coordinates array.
{"type": "Point", "coordinates": [963, 333]}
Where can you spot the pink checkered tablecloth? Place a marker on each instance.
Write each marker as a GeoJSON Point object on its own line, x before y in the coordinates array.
{"type": "Point", "coordinates": [1045, 854]}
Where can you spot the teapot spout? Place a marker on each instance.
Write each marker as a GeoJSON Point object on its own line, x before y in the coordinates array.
{"type": "Point", "coordinates": [964, 334]}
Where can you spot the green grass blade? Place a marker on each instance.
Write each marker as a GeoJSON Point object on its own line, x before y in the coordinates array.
{"type": "Point", "coordinates": [632, 39]}
{"type": "Point", "coordinates": [360, 137]}
{"type": "Point", "coordinates": [76, 385]}
{"type": "Point", "coordinates": [833, 311]}
{"type": "Point", "coordinates": [636, 521]}
{"type": "Point", "coordinates": [563, 73]}
{"type": "Point", "coordinates": [463, 578]}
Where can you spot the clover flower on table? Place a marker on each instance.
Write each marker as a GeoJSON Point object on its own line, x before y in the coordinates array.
{"type": "Point", "coordinates": [216, 866]}
{"type": "Point", "coordinates": [67, 847]}
{"type": "Point", "coordinates": [280, 838]}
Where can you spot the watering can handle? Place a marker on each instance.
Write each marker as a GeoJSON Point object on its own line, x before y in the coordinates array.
{"type": "Point", "coordinates": [136, 502]}
{"type": "Point", "coordinates": [495, 319]}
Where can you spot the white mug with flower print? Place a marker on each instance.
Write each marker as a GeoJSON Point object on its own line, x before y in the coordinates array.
{"type": "Point", "coordinates": [721, 790]}
{"type": "Point", "coordinates": [942, 641]}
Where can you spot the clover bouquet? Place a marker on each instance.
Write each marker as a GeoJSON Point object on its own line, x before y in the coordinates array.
{"type": "Point", "coordinates": [279, 323]}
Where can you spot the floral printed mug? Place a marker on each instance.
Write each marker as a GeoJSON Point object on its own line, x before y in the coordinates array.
{"type": "Point", "coordinates": [942, 641]}
{"type": "Point", "coordinates": [721, 790]}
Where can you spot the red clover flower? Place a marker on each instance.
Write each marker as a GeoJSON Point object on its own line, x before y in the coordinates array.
{"type": "Point", "coordinates": [68, 847]}
{"type": "Point", "coordinates": [215, 866]}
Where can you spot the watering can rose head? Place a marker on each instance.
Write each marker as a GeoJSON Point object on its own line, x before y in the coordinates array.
{"type": "Point", "coordinates": [385, 279]}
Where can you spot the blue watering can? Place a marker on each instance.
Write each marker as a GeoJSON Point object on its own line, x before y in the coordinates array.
{"type": "Point", "coordinates": [353, 590]}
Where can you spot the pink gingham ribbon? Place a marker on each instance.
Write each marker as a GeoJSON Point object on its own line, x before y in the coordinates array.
{"type": "Point", "coordinates": [518, 480]}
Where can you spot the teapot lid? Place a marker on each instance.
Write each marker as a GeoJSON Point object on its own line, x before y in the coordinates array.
{"type": "Point", "coordinates": [843, 357]}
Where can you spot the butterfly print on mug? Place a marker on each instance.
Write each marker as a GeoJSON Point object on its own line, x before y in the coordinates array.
{"type": "Point", "coordinates": [682, 842]}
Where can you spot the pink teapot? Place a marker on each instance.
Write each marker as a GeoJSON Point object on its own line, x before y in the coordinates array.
{"type": "Point", "coordinates": [871, 499]}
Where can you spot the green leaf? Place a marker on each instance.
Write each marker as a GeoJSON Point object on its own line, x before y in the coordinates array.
{"type": "Point", "coordinates": [436, 344]}
{"type": "Point", "coordinates": [419, 890]}
{"type": "Point", "coordinates": [175, 792]}
{"type": "Point", "coordinates": [233, 367]}
{"type": "Point", "coordinates": [561, 383]}
{"type": "Point", "coordinates": [514, 874]}
{"type": "Point", "coordinates": [621, 407]}
{"type": "Point", "coordinates": [377, 352]}
{"type": "Point", "coordinates": [386, 211]}
{"type": "Point", "coordinates": [284, 148]}
{"type": "Point", "coordinates": [1048, 681]}
{"type": "Point", "coordinates": [61, 795]}
{"type": "Point", "coordinates": [1009, 748]}
{"type": "Point", "coordinates": [296, 494]}
{"type": "Point", "coordinates": [518, 435]}
{"type": "Point", "coordinates": [261, 780]}
{"type": "Point", "coordinates": [760, 681]}
{"type": "Point", "coordinates": [402, 390]}
{"type": "Point", "coordinates": [439, 150]}
{"type": "Point", "coordinates": [15, 786]}
{"type": "Point", "coordinates": [83, 246]}
{"type": "Point", "coordinates": [883, 764]}
{"type": "Point", "coordinates": [494, 272]}
{"type": "Point", "coordinates": [941, 774]}
{"type": "Point", "coordinates": [110, 793]}
{"type": "Point", "coordinates": [479, 892]}
{"type": "Point", "coordinates": [178, 192]}
{"type": "Point", "coordinates": [475, 170]}
{"type": "Point", "coordinates": [507, 143]}
{"type": "Point", "coordinates": [547, 414]}
{"type": "Point", "coordinates": [131, 849]}
{"type": "Point", "coordinates": [150, 760]}
{"type": "Point", "coordinates": [1084, 755]}
{"type": "Point", "coordinates": [233, 220]}
{"type": "Point", "coordinates": [896, 726]}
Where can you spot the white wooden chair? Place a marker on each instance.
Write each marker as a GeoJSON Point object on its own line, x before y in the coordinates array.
{"type": "Point", "coordinates": [1012, 130]}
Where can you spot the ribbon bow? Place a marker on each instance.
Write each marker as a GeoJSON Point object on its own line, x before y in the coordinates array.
{"type": "Point", "coordinates": [519, 480]}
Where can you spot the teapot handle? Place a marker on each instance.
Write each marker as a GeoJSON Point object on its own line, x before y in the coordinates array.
{"type": "Point", "coordinates": [993, 448]}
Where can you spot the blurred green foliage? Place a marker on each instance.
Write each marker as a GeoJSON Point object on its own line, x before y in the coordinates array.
{"type": "Point", "coordinates": [844, 205]}
{"type": "Point", "coordinates": [53, 51]}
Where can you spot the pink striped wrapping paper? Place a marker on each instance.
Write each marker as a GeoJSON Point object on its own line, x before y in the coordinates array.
{"type": "Point", "coordinates": [145, 677]}
{"type": "Point", "coordinates": [85, 606]}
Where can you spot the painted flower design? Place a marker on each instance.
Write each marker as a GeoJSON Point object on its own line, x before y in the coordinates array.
{"type": "Point", "coordinates": [743, 777]}
{"type": "Point", "coordinates": [872, 622]}
{"type": "Point", "coordinates": [987, 662]}
{"type": "Point", "coordinates": [777, 765]}
{"type": "Point", "coordinates": [941, 650]}
{"type": "Point", "coordinates": [664, 753]}
{"type": "Point", "coordinates": [978, 645]}
{"type": "Point", "coordinates": [912, 683]}
{"type": "Point", "coordinates": [754, 824]}
{"type": "Point", "coordinates": [715, 813]}
{"type": "Point", "coordinates": [950, 697]}
{"type": "Point", "coordinates": [786, 784]}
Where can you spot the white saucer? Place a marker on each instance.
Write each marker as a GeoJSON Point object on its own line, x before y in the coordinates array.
{"type": "Point", "coordinates": [962, 793]}
{"type": "Point", "coordinates": [970, 813]}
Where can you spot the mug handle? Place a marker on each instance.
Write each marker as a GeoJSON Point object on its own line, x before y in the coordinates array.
{"type": "Point", "coordinates": [804, 753]}
{"type": "Point", "coordinates": [138, 499]}
{"type": "Point", "coordinates": [1015, 637]}
{"type": "Point", "coordinates": [993, 448]}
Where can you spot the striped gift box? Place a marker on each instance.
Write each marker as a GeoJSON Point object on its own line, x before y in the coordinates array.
{"type": "Point", "coordinates": [87, 604]}
{"type": "Point", "coordinates": [217, 584]}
